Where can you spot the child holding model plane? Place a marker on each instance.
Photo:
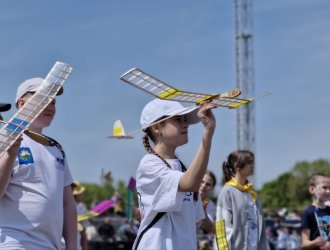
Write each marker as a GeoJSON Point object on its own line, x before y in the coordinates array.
{"type": "Point", "coordinates": [165, 186]}
{"type": "Point", "coordinates": [36, 201]}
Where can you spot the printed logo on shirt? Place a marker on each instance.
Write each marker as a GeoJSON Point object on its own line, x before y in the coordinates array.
{"type": "Point", "coordinates": [252, 225]}
{"type": "Point", "coordinates": [323, 223]}
{"type": "Point", "coordinates": [60, 163]}
{"type": "Point", "coordinates": [25, 156]}
{"type": "Point", "coordinates": [187, 198]}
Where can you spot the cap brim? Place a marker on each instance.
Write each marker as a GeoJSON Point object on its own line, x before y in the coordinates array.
{"type": "Point", "coordinates": [60, 91]}
{"type": "Point", "coordinates": [190, 113]}
{"type": "Point", "coordinates": [4, 107]}
{"type": "Point", "coordinates": [79, 190]}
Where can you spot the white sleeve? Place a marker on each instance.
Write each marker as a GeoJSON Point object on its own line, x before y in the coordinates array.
{"type": "Point", "coordinates": [158, 185]}
{"type": "Point", "coordinates": [67, 174]}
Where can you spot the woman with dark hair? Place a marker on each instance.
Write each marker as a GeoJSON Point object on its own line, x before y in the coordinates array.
{"type": "Point", "coordinates": [206, 227]}
{"type": "Point", "coordinates": [205, 190]}
{"type": "Point", "coordinates": [239, 207]}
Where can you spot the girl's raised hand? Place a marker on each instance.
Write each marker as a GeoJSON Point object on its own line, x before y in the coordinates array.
{"type": "Point", "coordinates": [206, 116]}
{"type": "Point", "coordinates": [13, 150]}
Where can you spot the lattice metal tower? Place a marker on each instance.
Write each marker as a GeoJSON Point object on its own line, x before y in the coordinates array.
{"type": "Point", "coordinates": [244, 74]}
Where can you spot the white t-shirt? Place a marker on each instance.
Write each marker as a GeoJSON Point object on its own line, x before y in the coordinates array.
{"type": "Point", "coordinates": [211, 210]}
{"type": "Point", "coordinates": [31, 211]}
{"type": "Point", "coordinates": [157, 187]}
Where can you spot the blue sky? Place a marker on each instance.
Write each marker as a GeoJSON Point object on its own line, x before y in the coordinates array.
{"type": "Point", "coordinates": [188, 44]}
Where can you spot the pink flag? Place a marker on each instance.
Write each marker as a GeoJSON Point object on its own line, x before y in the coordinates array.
{"type": "Point", "coordinates": [103, 206]}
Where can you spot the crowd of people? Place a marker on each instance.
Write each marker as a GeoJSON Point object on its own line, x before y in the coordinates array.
{"type": "Point", "coordinates": [39, 201]}
{"type": "Point", "coordinates": [115, 231]}
{"type": "Point", "coordinates": [282, 234]}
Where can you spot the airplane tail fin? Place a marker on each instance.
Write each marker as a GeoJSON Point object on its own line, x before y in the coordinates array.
{"type": "Point", "coordinates": [119, 131]}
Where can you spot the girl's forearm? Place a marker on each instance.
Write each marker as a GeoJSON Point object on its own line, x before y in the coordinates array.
{"type": "Point", "coordinates": [191, 180]}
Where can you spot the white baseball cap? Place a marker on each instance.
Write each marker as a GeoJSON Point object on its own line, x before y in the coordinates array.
{"type": "Point", "coordinates": [31, 85]}
{"type": "Point", "coordinates": [158, 108]}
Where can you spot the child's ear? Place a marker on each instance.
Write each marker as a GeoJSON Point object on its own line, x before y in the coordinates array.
{"type": "Point", "coordinates": [311, 189]}
{"type": "Point", "coordinates": [20, 102]}
{"type": "Point", "coordinates": [237, 169]}
{"type": "Point", "coordinates": [155, 128]}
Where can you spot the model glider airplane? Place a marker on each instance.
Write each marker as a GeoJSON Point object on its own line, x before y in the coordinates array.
{"type": "Point", "coordinates": [10, 131]}
{"type": "Point", "coordinates": [119, 132]}
{"type": "Point", "coordinates": [162, 90]}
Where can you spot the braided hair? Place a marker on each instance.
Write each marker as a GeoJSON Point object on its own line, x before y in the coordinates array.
{"type": "Point", "coordinates": [236, 159]}
{"type": "Point", "coordinates": [147, 146]}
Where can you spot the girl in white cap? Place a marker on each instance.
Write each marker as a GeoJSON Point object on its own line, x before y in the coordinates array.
{"type": "Point", "coordinates": [168, 206]}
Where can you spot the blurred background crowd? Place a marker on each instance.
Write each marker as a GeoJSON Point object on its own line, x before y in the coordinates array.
{"type": "Point", "coordinates": [284, 199]}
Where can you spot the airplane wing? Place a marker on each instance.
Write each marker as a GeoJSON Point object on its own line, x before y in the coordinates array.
{"type": "Point", "coordinates": [44, 140]}
{"type": "Point", "coordinates": [47, 91]}
{"type": "Point", "coordinates": [162, 90]}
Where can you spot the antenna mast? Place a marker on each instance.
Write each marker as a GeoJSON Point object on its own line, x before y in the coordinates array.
{"type": "Point", "coordinates": [244, 74]}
